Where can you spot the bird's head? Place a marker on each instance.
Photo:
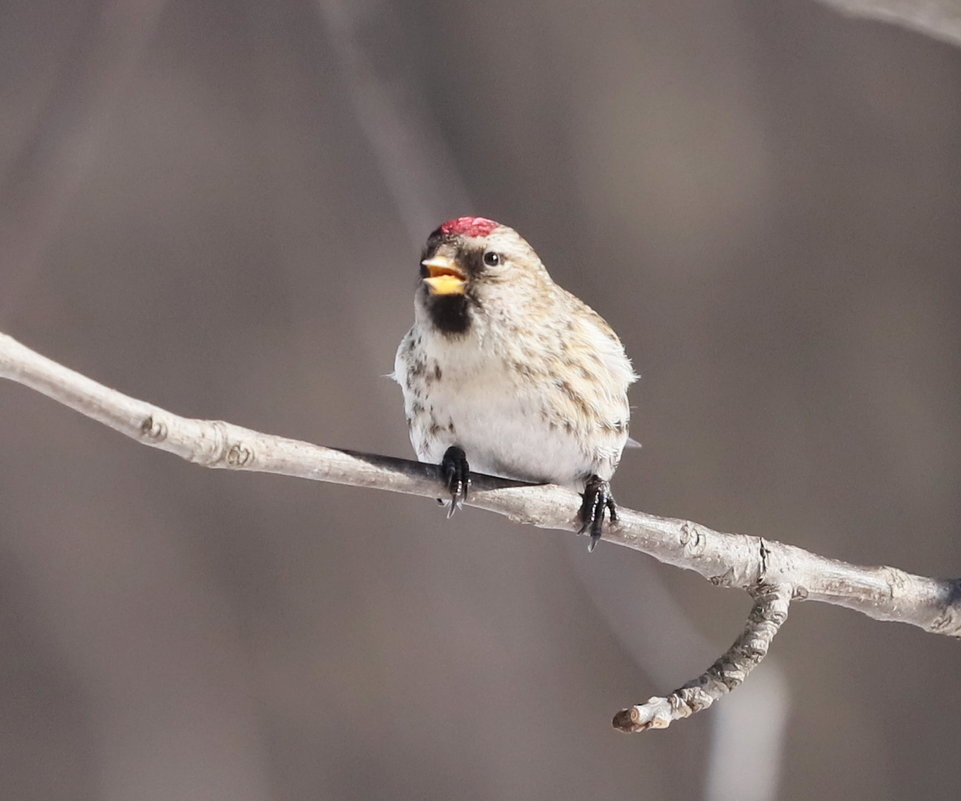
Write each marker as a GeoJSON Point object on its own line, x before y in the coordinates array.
{"type": "Point", "coordinates": [474, 266]}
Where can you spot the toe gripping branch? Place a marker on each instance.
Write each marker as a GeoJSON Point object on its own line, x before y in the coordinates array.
{"type": "Point", "coordinates": [456, 472]}
{"type": "Point", "coordinates": [597, 501]}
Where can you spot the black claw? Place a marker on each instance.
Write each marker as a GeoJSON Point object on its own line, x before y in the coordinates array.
{"type": "Point", "coordinates": [456, 477]}
{"type": "Point", "coordinates": [597, 501]}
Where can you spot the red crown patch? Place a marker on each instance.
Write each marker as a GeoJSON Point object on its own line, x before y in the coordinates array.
{"type": "Point", "coordinates": [469, 226]}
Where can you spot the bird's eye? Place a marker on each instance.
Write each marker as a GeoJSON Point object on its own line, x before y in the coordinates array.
{"type": "Point", "coordinates": [492, 259]}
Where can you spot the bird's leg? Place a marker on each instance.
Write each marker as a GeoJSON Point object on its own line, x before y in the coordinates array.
{"type": "Point", "coordinates": [456, 477]}
{"type": "Point", "coordinates": [597, 501]}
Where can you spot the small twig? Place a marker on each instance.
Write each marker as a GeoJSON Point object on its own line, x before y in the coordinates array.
{"type": "Point", "coordinates": [771, 571]}
{"type": "Point", "coordinates": [767, 616]}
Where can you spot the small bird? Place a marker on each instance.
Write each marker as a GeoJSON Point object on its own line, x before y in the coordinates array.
{"type": "Point", "coordinates": [505, 373]}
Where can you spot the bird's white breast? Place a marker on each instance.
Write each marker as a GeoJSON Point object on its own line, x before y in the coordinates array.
{"type": "Point", "coordinates": [467, 391]}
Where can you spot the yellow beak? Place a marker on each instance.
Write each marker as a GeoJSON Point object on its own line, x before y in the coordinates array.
{"type": "Point", "coordinates": [445, 277]}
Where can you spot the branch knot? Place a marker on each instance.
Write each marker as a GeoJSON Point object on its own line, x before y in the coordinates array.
{"type": "Point", "coordinates": [153, 428]}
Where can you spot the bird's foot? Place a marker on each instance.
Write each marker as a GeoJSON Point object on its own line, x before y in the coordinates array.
{"type": "Point", "coordinates": [597, 501]}
{"type": "Point", "coordinates": [456, 473]}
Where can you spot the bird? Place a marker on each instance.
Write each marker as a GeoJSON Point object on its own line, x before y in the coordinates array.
{"type": "Point", "coordinates": [505, 373]}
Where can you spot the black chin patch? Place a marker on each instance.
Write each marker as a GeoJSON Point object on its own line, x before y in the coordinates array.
{"type": "Point", "coordinates": [449, 313]}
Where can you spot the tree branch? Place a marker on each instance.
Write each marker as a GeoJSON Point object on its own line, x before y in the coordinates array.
{"type": "Point", "coordinates": [773, 572]}
{"type": "Point", "coordinates": [767, 616]}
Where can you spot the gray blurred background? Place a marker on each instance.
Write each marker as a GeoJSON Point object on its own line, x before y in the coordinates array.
{"type": "Point", "coordinates": [218, 206]}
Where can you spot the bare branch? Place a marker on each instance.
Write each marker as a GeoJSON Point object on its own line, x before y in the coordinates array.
{"type": "Point", "coordinates": [774, 573]}
{"type": "Point", "coordinates": [767, 616]}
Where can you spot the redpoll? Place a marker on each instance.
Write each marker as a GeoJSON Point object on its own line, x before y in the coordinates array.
{"type": "Point", "coordinates": [506, 373]}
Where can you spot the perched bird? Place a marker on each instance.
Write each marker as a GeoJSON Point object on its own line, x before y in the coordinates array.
{"type": "Point", "coordinates": [505, 373]}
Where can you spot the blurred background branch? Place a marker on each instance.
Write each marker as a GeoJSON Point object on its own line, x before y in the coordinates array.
{"type": "Point", "coordinates": [938, 18]}
{"type": "Point", "coordinates": [398, 123]}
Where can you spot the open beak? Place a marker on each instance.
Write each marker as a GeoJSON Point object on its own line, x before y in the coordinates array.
{"type": "Point", "coordinates": [444, 276]}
